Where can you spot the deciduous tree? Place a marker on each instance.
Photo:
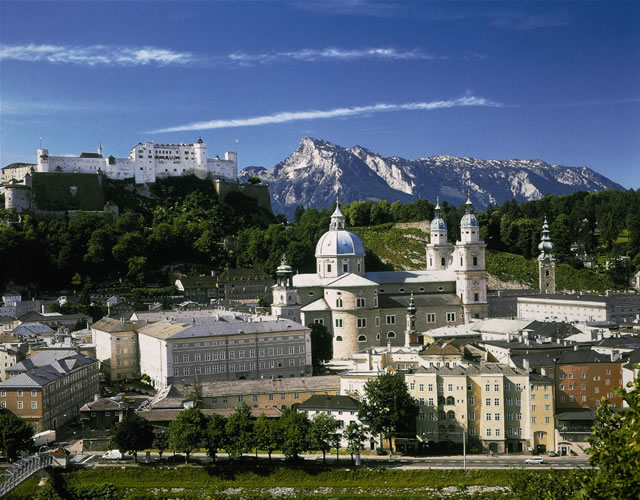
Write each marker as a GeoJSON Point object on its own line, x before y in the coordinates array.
{"type": "Point", "coordinates": [187, 431]}
{"type": "Point", "coordinates": [15, 435]}
{"type": "Point", "coordinates": [267, 432]}
{"type": "Point", "coordinates": [323, 428]}
{"type": "Point", "coordinates": [355, 436]}
{"type": "Point", "coordinates": [216, 434]}
{"type": "Point", "coordinates": [239, 430]}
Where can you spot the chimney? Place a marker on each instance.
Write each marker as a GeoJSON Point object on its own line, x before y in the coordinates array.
{"type": "Point", "coordinates": [388, 346]}
{"type": "Point", "coordinates": [525, 364]}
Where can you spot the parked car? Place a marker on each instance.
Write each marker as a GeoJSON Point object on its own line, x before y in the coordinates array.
{"type": "Point", "coordinates": [534, 461]}
{"type": "Point", "coordinates": [554, 454]}
{"type": "Point", "coordinates": [112, 455]}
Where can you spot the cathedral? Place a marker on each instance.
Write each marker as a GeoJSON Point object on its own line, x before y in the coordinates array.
{"type": "Point", "coordinates": [364, 309]}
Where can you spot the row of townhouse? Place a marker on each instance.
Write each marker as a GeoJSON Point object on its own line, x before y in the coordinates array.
{"type": "Point", "coordinates": [212, 347]}
{"type": "Point", "coordinates": [49, 388]}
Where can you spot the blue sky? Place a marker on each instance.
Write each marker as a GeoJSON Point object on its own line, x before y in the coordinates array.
{"type": "Point", "coordinates": [557, 81]}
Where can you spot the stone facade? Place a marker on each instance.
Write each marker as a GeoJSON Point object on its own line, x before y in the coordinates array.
{"type": "Point", "coordinates": [116, 344]}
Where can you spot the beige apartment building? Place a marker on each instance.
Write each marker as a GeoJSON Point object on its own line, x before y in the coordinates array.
{"type": "Point", "coordinates": [498, 408]}
{"type": "Point", "coordinates": [116, 344]}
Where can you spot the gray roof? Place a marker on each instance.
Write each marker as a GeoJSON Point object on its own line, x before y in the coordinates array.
{"type": "Point", "coordinates": [582, 356]}
{"type": "Point", "coordinates": [408, 277]}
{"type": "Point", "coordinates": [473, 369]}
{"type": "Point", "coordinates": [112, 325]}
{"type": "Point", "coordinates": [103, 404]}
{"type": "Point", "coordinates": [42, 358]}
{"type": "Point", "coordinates": [322, 402]}
{"type": "Point", "coordinates": [268, 386]}
{"type": "Point", "coordinates": [41, 376]}
{"type": "Point", "coordinates": [32, 329]}
{"type": "Point", "coordinates": [209, 327]}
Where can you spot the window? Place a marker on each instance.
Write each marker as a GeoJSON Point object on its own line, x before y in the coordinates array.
{"type": "Point", "coordinates": [475, 263]}
{"type": "Point", "coordinates": [518, 416]}
{"type": "Point", "coordinates": [431, 317]}
{"type": "Point", "coordinates": [20, 404]}
{"type": "Point", "coordinates": [596, 390]}
{"type": "Point", "coordinates": [533, 397]}
{"type": "Point", "coordinates": [362, 338]}
{"type": "Point", "coordinates": [345, 267]}
{"type": "Point", "coordinates": [476, 297]}
{"type": "Point", "coordinates": [488, 432]}
{"type": "Point", "coordinates": [3, 404]}
{"type": "Point", "coordinates": [561, 387]}
{"type": "Point", "coordinates": [533, 420]}
{"type": "Point", "coordinates": [362, 322]}
{"type": "Point", "coordinates": [496, 387]}
{"type": "Point", "coordinates": [450, 387]}
{"type": "Point", "coordinates": [496, 417]}
{"type": "Point", "coordinates": [3, 394]}
{"type": "Point", "coordinates": [430, 402]}
{"type": "Point", "coordinates": [339, 302]}
{"type": "Point", "coordinates": [430, 387]}
{"type": "Point", "coordinates": [533, 407]}
{"type": "Point", "coordinates": [509, 401]}
{"type": "Point", "coordinates": [360, 302]}
{"type": "Point", "coordinates": [451, 317]}
{"type": "Point", "coordinates": [391, 319]}
{"type": "Point", "coordinates": [472, 400]}
{"type": "Point", "coordinates": [510, 416]}
{"type": "Point", "coordinates": [497, 430]}
{"type": "Point", "coordinates": [33, 393]}
{"type": "Point", "coordinates": [571, 376]}
{"type": "Point", "coordinates": [488, 402]}
{"type": "Point", "coordinates": [187, 371]}
{"type": "Point", "coordinates": [391, 335]}
{"type": "Point", "coordinates": [487, 416]}
{"type": "Point", "coordinates": [518, 401]}
{"type": "Point", "coordinates": [547, 420]}
{"type": "Point", "coordinates": [472, 415]}
{"type": "Point", "coordinates": [518, 387]}
{"type": "Point", "coordinates": [197, 356]}
{"type": "Point", "coordinates": [571, 387]}
{"type": "Point", "coordinates": [338, 322]}
{"type": "Point", "coordinates": [185, 358]}
{"type": "Point", "coordinates": [34, 405]}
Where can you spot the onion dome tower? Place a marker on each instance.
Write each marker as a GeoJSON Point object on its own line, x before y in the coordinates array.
{"type": "Point", "coordinates": [471, 273]}
{"type": "Point", "coordinates": [285, 296]}
{"type": "Point", "coordinates": [410, 333]}
{"type": "Point", "coordinates": [546, 261]}
{"type": "Point", "coordinates": [439, 250]}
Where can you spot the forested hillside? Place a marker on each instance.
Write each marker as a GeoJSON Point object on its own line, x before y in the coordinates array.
{"type": "Point", "coordinates": [183, 226]}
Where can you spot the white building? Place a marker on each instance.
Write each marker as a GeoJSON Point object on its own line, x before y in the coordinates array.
{"type": "Point", "coordinates": [220, 348]}
{"type": "Point", "coordinates": [146, 162]}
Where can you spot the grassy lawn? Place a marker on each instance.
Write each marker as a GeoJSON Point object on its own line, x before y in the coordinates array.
{"type": "Point", "coordinates": [251, 481]}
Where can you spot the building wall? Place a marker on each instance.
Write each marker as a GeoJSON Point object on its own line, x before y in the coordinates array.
{"type": "Point", "coordinates": [541, 410]}
{"type": "Point", "coordinates": [281, 400]}
{"type": "Point", "coordinates": [563, 310]}
{"type": "Point", "coordinates": [226, 357]}
{"type": "Point", "coordinates": [583, 385]}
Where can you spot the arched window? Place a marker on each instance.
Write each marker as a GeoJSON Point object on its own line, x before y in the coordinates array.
{"type": "Point", "coordinates": [546, 273]}
{"type": "Point", "coordinates": [440, 400]}
{"type": "Point", "coordinates": [377, 336]}
{"type": "Point", "coordinates": [339, 302]}
{"type": "Point", "coordinates": [391, 335]}
{"type": "Point", "coordinates": [289, 297]}
{"type": "Point", "coordinates": [450, 399]}
{"type": "Point", "coordinates": [362, 338]}
{"type": "Point", "coordinates": [339, 338]}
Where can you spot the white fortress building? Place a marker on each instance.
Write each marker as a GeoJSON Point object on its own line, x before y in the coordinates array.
{"type": "Point", "coordinates": [146, 163]}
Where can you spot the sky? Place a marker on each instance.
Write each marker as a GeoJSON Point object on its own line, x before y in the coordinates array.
{"type": "Point", "coordinates": [556, 81]}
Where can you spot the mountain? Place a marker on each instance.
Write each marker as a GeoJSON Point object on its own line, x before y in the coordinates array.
{"type": "Point", "coordinates": [318, 171]}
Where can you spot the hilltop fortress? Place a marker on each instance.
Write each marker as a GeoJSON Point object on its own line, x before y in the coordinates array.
{"type": "Point", "coordinates": [146, 162]}
{"type": "Point", "coordinates": [61, 183]}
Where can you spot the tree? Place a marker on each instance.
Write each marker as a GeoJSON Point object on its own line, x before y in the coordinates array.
{"type": "Point", "coordinates": [323, 428]}
{"type": "Point", "coordinates": [187, 431]}
{"type": "Point", "coordinates": [267, 432]}
{"type": "Point", "coordinates": [388, 406]}
{"type": "Point", "coordinates": [196, 393]}
{"type": "Point", "coordinates": [355, 436]}
{"type": "Point", "coordinates": [132, 434]}
{"type": "Point", "coordinates": [295, 432]}
{"type": "Point", "coordinates": [161, 442]}
{"type": "Point", "coordinates": [239, 430]}
{"type": "Point", "coordinates": [216, 434]}
{"type": "Point", "coordinates": [615, 447]}
{"type": "Point", "coordinates": [321, 346]}
{"type": "Point", "coordinates": [254, 179]}
{"type": "Point", "coordinates": [15, 435]}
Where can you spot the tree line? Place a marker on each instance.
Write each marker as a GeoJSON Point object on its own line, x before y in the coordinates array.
{"type": "Point", "coordinates": [184, 226]}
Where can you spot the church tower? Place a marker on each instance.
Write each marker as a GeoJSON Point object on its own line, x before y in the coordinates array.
{"type": "Point", "coordinates": [439, 250]}
{"type": "Point", "coordinates": [546, 262]}
{"type": "Point", "coordinates": [285, 303]}
{"type": "Point", "coordinates": [470, 266]}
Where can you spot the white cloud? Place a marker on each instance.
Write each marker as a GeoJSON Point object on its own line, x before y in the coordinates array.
{"type": "Point", "coordinates": [95, 55]}
{"type": "Point", "coordinates": [330, 54]}
{"type": "Point", "coordinates": [290, 116]}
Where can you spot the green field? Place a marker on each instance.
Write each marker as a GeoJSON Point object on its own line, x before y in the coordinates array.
{"type": "Point", "coordinates": [251, 481]}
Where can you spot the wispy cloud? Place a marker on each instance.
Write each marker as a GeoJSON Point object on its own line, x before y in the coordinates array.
{"type": "Point", "coordinates": [96, 55]}
{"type": "Point", "coordinates": [330, 54]}
{"type": "Point", "coordinates": [290, 116]}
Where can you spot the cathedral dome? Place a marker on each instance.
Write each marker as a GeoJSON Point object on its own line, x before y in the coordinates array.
{"type": "Point", "coordinates": [339, 241]}
{"type": "Point", "coordinates": [438, 223]}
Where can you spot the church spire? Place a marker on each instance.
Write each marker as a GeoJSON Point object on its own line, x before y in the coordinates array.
{"type": "Point", "coordinates": [337, 218]}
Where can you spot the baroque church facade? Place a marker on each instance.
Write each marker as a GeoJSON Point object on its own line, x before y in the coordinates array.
{"type": "Point", "coordinates": [365, 309]}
